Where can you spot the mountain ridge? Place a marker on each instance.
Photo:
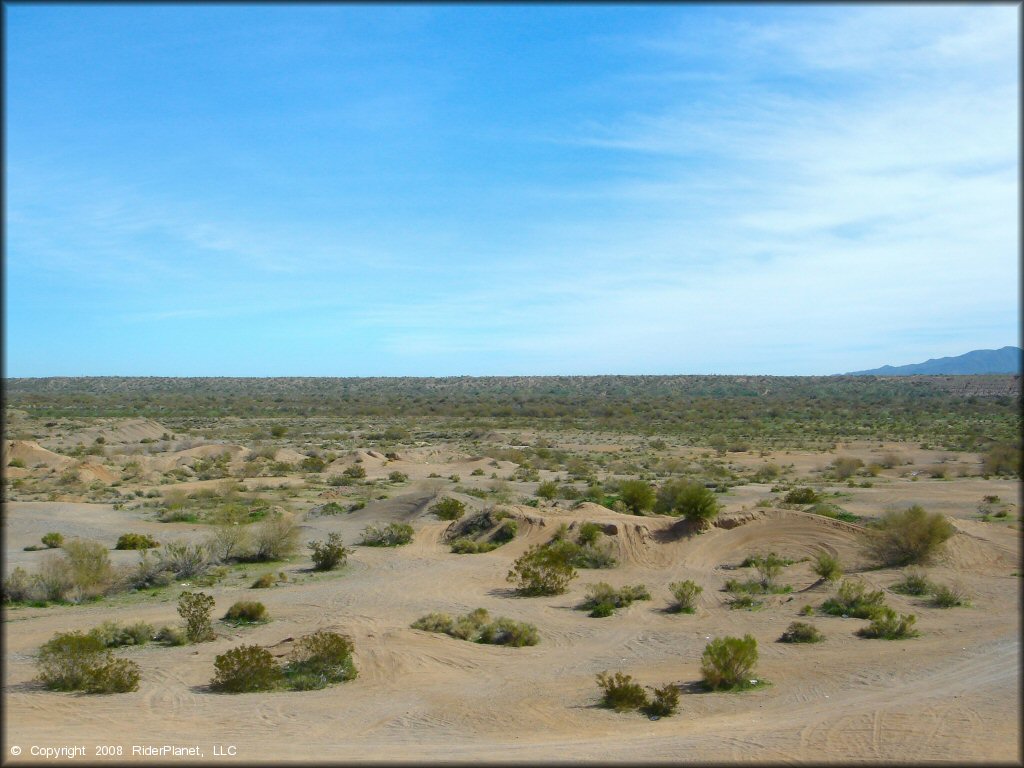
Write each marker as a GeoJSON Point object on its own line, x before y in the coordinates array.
{"type": "Point", "coordinates": [978, 361]}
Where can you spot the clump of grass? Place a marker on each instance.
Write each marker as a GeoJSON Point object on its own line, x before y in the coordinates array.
{"type": "Point", "coordinates": [887, 625]}
{"type": "Point", "coordinates": [602, 598]}
{"type": "Point", "coordinates": [685, 594]}
{"type": "Point", "coordinates": [247, 612]}
{"type": "Point", "coordinates": [944, 596]}
{"type": "Point", "coordinates": [801, 632]}
{"type": "Point", "coordinates": [466, 546]}
{"type": "Point", "coordinates": [477, 626]}
{"type": "Point", "coordinates": [914, 582]}
{"type": "Point", "coordinates": [853, 599]}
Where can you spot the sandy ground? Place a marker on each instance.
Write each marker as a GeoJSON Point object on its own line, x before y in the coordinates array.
{"type": "Point", "coordinates": [950, 695]}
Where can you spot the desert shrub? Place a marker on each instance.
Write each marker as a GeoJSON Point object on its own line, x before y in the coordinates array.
{"type": "Point", "coordinates": [801, 632]}
{"type": "Point", "coordinates": [505, 631]}
{"type": "Point", "coordinates": [887, 625]}
{"type": "Point", "coordinates": [149, 572]}
{"type": "Point", "coordinates": [588, 556]}
{"type": "Point", "coordinates": [20, 587]}
{"type": "Point", "coordinates": [547, 490]}
{"type": "Point", "coordinates": [185, 560]}
{"type": "Point", "coordinates": [55, 578]}
{"type": "Point", "coordinates": [276, 537]}
{"type": "Point", "coordinates": [195, 608]}
{"type": "Point", "coordinates": [246, 612]}
{"type": "Point", "coordinates": [505, 532]}
{"type": "Point", "coordinates": [827, 567]}
{"type": "Point", "coordinates": [944, 596]}
{"type": "Point", "coordinates": [19, 463]}
{"type": "Point", "coordinates": [448, 509]}
{"type": "Point", "coordinates": [328, 555]}
{"type": "Point", "coordinates": [589, 534]}
{"type": "Point", "coordinates": [691, 500]}
{"type": "Point", "coordinates": [356, 472]}
{"type": "Point", "coordinates": [470, 547]}
{"type": "Point", "coordinates": [801, 496]}
{"type": "Point", "coordinates": [745, 601]}
{"type": "Point", "coordinates": [768, 568]}
{"type": "Point", "coordinates": [1001, 459]}
{"type": "Point", "coordinates": [318, 660]}
{"type": "Point", "coordinates": [245, 669]}
{"type": "Point", "coordinates": [91, 571]}
{"type": "Point", "coordinates": [620, 693]}
{"type": "Point", "coordinates": [391, 535]}
{"type": "Point", "coordinates": [265, 581]}
{"type": "Point", "coordinates": [171, 636]}
{"type": "Point", "coordinates": [477, 626]}
{"type": "Point", "coordinates": [114, 635]}
{"type": "Point", "coordinates": [397, 477]}
{"type": "Point", "coordinates": [135, 541]}
{"type": "Point", "coordinates": [602, 598]}
{"type": "Point", "coordinates": [664, 702]}
{"type": "Point", "coordinates": [914, 582]}
{"type": "Point", "coordinates": [685, 594]}
{"type": "Point", "coordinates": [73, 661]}
{"type": "Point", "coordinates": [728, 662]}
{"type": "Point", "coordinates": [53, 540]}
{"type": "Point", "coordinates": [541, 570]}
{"type": "Point", "coordinates": [228, 542]}
{"type": "Point", "coordinates": [434, 622]}
{"type": "Point", "coordinates": [637, 495]}
{"type": "Point", "coordinates": [114, 676]}
{"type": "Point", "coordinates": [845, 466]}
{"type": "Point", "coordinates": [853, 599]}
{"type": "Point", "coordinates": [312, 464]}
{"type": "Point", "coordinates": [807, 610]}
{"type": "Point", "coordinates": [910, 536]}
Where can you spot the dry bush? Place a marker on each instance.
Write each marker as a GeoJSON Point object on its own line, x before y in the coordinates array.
{"type": "Point", "coordinates": [75, 662]}
{"type": "Point", "coordinates": [801, 632]}
{"type": "Point", "coordinates": [246, 612]}
{"type": "Point", "coordinates": [276, 537]}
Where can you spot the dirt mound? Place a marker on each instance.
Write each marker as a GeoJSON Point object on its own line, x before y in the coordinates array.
{"type": "Point", "coordinates": [32, 454]}
{"type": "Point", "coordinates": [288, 456]}
{"type": "Point", "coordinates": [89, 472]}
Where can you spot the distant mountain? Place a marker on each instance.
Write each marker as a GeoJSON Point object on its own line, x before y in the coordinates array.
{"type": "Point", "coordinates": [1005, 360]}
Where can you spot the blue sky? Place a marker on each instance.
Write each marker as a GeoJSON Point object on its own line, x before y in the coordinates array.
{"type": "Point", "coordinates": [429, 190]}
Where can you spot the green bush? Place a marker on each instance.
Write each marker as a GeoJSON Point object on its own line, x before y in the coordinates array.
{"type": "Point", "coordinates": [391, 535]}
{"type": "Point", "coordinates": [328, 555]}
{"type": "Point", "coordinates": [745, 601]}
{"type": "Point", "coordinates": [944, 596]}
{"type": "Point", "coordinates": [685, 594]}
{"type": "Point", "coordinates": [246, 612]}
{"type": "Point", "coordinates": [853, 599]}
{"type": "Point", "coordinates": [620, 693]}
{"type": "Point", "coordinates": [885, 624]}
{"type": "Point", "coordinates": [355, 472]}
{"type": "Point", "coordinates": [265, 581]}
{"type": "Point", "coordinates": [827, 567]}
{"type": "Point", "coordinates": [801, 496]}
{"type": "Point", "coordinates": [195, 608]}
{"type": "Point", "coordinates": [318, 660]}
{"type": "Point", "coordinates": [768, 569]}
{"type": "Point", "coordinates": [728, 662]}
{"type": "Point", "coordinates": [664, 703]}
{"type": "Point", "coordinates": [910, 536]}
{"type": "Point", "coordinates": [690, 500]}
{"type": "Point", "coordinates": [136, 541]}
{"type": "Point", "coordinates": [637, 495]}
{"type": "Point", "coordinates": [589, 534]}
{"type": "Point", "coordinates": [505, 532]}
{"type": "Point", "coordinates": [542, 570]}
{"type": "Point", "coordinates": [245, 669]}
{"type": "Point", "coordinates": [1001, 459]}
{"type": "Point", "coordinates": [448, 509]}
{"type": "Point", "coordinates": [914, 582]}
{"type": "Point", "coordinates": [75, 662]}
{"type": "Point", "coordinates": [397, 477]}
{"type": "Point", "coordinates": [547, 490]}
{"type": "Point", "coordinates": [476, 626]}
{"type": "Point", "coordinates": [113, 635]}
{"type": "Point", "coordinates": [53, 540]}
{"type": "Point", "coordinates": [470, 547]}
{"type": "Point", "coordinates": [845, 466]}
{"type": "Point", "coordinates": [801, 632]}
{"type": "Point", "coordinates": [601, 598]}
